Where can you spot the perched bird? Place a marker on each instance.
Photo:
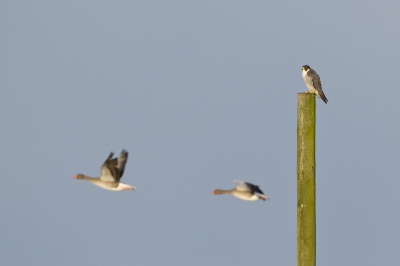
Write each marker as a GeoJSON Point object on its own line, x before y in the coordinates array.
{"type": "Point", "coordinates": [111, 172]}
{"type": "Point", "coordinates": [244, 191]}
{"type": "Point", "coordinates": [313, 82]}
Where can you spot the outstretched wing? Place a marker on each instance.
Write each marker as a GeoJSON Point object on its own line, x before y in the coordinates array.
{"type": "Point", "coordinates": [242, 186]}
{"type": "Point", "coordinates": [254, 188]}
{"type": "Point", "coordinates": [122, 158]}
{"type": "Point", "coordinates": [109, 170]}
{"type": "Point", "coordinates": [245, 186]}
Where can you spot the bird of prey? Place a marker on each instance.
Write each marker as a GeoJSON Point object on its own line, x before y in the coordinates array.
{"type": "Point", "coordinates": [111, 172]}
{"type": "Point", "coordinates": [244, 191]}
{"type": "Point", "coordinates": [313, 82]}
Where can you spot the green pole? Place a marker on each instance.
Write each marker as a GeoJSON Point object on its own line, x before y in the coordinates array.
{"type": "Point", "coordinates": [306, 244]}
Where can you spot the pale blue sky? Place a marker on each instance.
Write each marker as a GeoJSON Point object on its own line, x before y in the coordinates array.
{"type": "Point", "coordinates": [200, 93]}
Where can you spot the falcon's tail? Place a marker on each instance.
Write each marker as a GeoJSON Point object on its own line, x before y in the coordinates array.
{"type": "Point", "coordinates": [322, 96]}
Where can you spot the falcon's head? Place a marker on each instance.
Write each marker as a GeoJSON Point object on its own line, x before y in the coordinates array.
{"type": "Point", "coordinates": [306, 68]}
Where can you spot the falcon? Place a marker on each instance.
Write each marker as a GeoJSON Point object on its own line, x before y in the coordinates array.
{"type": "Point", "coordinates": [313, 82]}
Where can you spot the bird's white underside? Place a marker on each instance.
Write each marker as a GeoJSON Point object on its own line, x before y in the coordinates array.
{"type": "Point", "coordinates": [310, 88]}
{"type": "Point", "coordinates": [244, 197]}
{"type": "Point", "coordinates": [121, 186]}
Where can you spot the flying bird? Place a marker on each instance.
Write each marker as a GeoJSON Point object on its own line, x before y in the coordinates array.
{"type": "Point", "coordinates": [244, 191]}
{"type": "Point", "coordinates": [111, 172]}
{"type": "Point", "coordinates": [313, 82]}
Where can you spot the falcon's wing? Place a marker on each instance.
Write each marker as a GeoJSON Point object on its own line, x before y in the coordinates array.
{"type": "Point", "coordinates": [308, 79]}
{"type": "Point", "coordinates": [315, 80]}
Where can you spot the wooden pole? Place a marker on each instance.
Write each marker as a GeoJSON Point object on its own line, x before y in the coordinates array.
{"type": "Point", "coordinates": [306, 233]}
